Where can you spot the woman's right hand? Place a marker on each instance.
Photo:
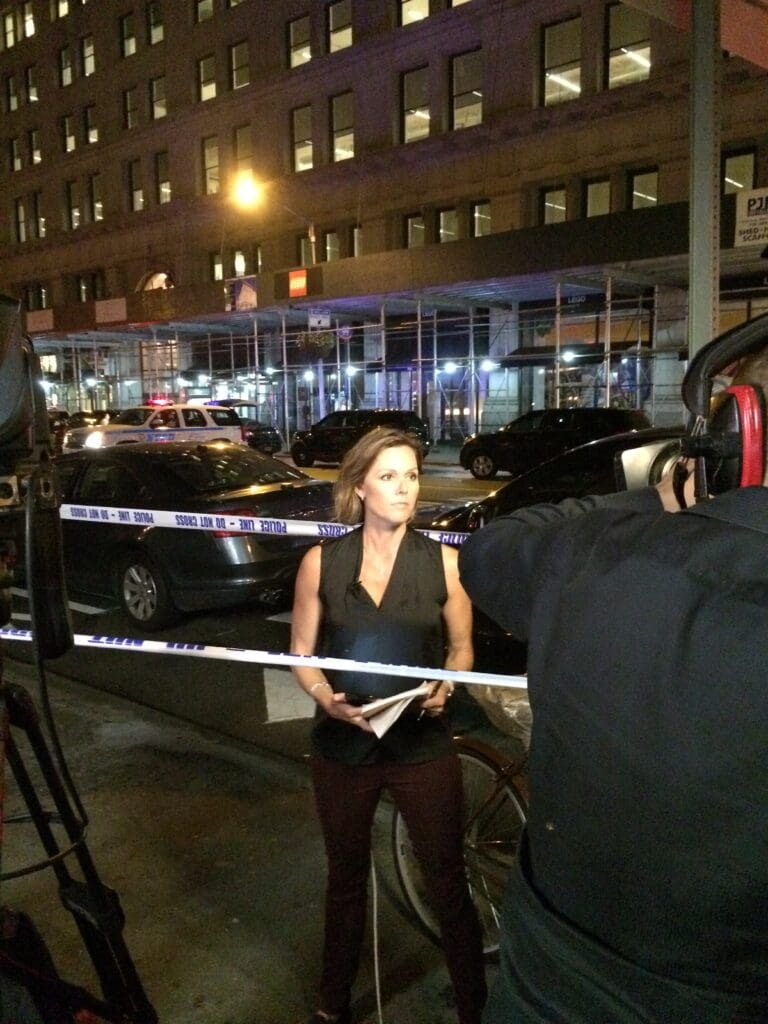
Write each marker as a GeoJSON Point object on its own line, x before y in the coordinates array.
{"type": "Point", "coordinates": [335, 705]}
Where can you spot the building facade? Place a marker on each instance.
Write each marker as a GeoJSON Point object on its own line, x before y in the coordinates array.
{"type": "Point", "coordinates": [468, 207]}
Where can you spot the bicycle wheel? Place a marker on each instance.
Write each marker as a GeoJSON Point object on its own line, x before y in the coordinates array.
{"type": "Point", "coordinates": [494, 816]}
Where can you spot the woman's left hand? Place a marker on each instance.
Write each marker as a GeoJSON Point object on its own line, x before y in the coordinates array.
{"type": "Point", "coordinates": [434, 704]}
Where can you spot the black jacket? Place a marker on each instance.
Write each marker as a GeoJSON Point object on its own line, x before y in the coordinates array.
{"type": "Point", "coordinates": [647, 848]}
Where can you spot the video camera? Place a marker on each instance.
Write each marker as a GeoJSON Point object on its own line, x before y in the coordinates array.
{"type": "Point", "coordinates": [29, 501]}
{"type": "Point", "coordinates": [30, 987]}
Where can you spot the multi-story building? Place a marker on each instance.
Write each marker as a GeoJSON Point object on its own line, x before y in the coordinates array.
{"type": "Point", "coordinates": [466, 206]}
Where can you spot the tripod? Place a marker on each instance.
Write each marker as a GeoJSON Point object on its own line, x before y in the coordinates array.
{"type": "Point", "coordinates": [95, 908]}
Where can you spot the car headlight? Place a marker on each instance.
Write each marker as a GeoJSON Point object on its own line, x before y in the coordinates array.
{"type": "Point", "coordinates": [95, 439]}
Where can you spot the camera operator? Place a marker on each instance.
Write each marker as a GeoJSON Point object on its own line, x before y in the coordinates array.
{"type": "Point", "coordinates": [641, 892]}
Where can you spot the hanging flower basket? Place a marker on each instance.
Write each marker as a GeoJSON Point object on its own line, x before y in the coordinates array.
{"type": "Point", "coordinates": [316, 343]}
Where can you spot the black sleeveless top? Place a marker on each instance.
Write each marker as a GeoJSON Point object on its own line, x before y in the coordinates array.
{"type": "Point", "coordinates": [405, 629]}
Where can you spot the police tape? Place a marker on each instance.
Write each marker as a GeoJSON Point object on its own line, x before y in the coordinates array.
{"type": "Point", "coordinates": [142, 646]}
{"type": "Point", "coordinates": [224, 521]}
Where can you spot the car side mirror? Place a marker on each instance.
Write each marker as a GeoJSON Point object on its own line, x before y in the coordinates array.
{"type": "Point", "coordinates": [478, 517]}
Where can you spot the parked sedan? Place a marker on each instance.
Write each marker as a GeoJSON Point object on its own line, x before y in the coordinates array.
{"type": "Point", "coordinates": [540, 435]}
{"type": "Point", "coordinates": [155, 572]}
{"type": "Point", "coordinates": [610, 464]}
{"type": "Point", "coordinates": [262, 436]}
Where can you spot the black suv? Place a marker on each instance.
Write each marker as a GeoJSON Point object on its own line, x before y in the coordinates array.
{"type": "Point", "coordinates": [542, 434]}
{"type": "Point", "coordinates": [331, 438]}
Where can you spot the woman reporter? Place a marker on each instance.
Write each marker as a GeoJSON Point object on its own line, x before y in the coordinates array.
{"type": "Point", "coordinates": [389, 594]}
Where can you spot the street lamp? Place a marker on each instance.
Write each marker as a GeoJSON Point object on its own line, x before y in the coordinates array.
{"type": "Point", "coordinates": [247, 193]}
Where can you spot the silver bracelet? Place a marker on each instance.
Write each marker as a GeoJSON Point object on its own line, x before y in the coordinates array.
{"type": "Point", "coordinates": [314, 686]}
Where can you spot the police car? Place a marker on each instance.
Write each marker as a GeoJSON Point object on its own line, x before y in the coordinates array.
{"type": "Point", "coordinates": [160, 423]}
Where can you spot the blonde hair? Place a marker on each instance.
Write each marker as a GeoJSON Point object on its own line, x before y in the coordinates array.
{"type": "Point", "coordinates": [356, 463]}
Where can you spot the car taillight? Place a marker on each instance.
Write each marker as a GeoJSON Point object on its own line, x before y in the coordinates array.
{"type": "Point", "coordinates": [243, 435]}
{"type": "Point", "coordinates": [240, 513]}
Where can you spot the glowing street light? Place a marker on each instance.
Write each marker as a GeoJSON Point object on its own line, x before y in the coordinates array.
{"type": "Point", "coordinates": [248, 193]}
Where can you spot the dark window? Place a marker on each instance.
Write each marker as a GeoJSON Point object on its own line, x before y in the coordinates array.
{"type": "Point", "coordinates": [467, 89]}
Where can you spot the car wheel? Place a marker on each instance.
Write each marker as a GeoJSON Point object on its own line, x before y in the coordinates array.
{"type": "Point", "coordinates": [301, 456]}
{"type": "Point", "coordinates": [482, 466]}
{"type": "Point", "coordinates": [143, 592]}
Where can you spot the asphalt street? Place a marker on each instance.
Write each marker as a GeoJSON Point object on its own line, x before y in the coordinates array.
{"type": "Point", "coordinates": [215, 853]}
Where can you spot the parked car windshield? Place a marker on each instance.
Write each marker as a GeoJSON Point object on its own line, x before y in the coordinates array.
{"type": "Point", "coordinates": [228, 469]}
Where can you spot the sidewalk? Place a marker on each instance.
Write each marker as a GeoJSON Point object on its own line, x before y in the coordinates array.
{"type": "Point", "coordinates": [216, 856]}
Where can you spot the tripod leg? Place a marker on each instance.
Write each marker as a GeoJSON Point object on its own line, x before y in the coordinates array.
{"type": "Point", "coordinates": [95, 908]}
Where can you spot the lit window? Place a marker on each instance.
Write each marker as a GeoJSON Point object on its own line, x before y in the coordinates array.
{"type": "Point", "coordinates": [239, 69]}
{"type": "Point", "coordinates": [68, 139]}
{"type": "Point", "coordinates": [87, 56]}
{"type": "Point", "coordinates": [415, 105]}
{"type": "Point", "coordinates": [629, 45]}
{"type": "Point", "coordinates": [206, 78]}
{"type": "Point", "coordinates": [598, 198]}
{"type": "Point", "coordinates": [210, 165]}
{"type": "Point", "coordinates": [20, 218]}
{"type": "Point", "coordinates": [73, 205]}
{"type": "Point", "coordinates": [331, 247]}
{"type": "Point", "coordinates": [552, 205]}
{"type": "Point", "coordinates": [339, 25]}
{"type": "Point", "coordinates": [38, 220]}
{"type": "Point", "coordinates": [562, 61]}
{"type": "Point", "coordinates": [356, 239]}
{"type": "Point", "coordinates": [644, 188]}
{"type": "Point", "coordinates": [299, 49]}
{"type": "Point", "coordinates": [28, 19]}
{"type": "Point", "coordinates": [447, 225]}
{"type": "Point", "coordinates": [135, 186]}
{"type": "Point", "coordinates": [30, 81]}
{"type": "Point", "coordinates": [9, 30]}
{"type": "Point", "coordinates": [66, 71]}
{"type": "Point", "coordinates": [415, 231]}
{"type": "Point", "coordinates": [301, 133]}
{"type": "Point", "coordinates": [162, 179]}
{"type": "Point", "coordinates": [157, 100]}
{"type": "Point", "coordinates": [343, 127]}
{"type": "Point", "coordinates": [35, 152]}
{"type": "Point", "coordinates": [95, 199]}
{"type": "Point", "coordinates": [14, 154]}
{"type": "Point", "coordinates": [738, 172]}
{"type": "Point", "coordinates": [480, 218]}
{"type": "Point", "coordinates": [155, 27]}
{"type": "Point", "coordinates": [467, 89]}
{"type": "Point", "coordinates": [127, 35]}
{"type": "Point", "coordinates": [413, 10]}
{"type": "Point", "coordinates": [90, 131]}
{"type": "Point", "coordinates": [203, 10]}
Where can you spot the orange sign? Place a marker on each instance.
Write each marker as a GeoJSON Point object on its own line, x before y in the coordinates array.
{"type": "Point", "coordinates": [297, 283]}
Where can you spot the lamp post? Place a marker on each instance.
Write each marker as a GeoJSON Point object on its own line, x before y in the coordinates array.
{"type": "Point", "coordinates": [248, 193]}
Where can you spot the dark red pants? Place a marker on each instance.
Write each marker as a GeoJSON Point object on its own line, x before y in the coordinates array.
{"type": "Point", "coordinates": [429, 796]}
